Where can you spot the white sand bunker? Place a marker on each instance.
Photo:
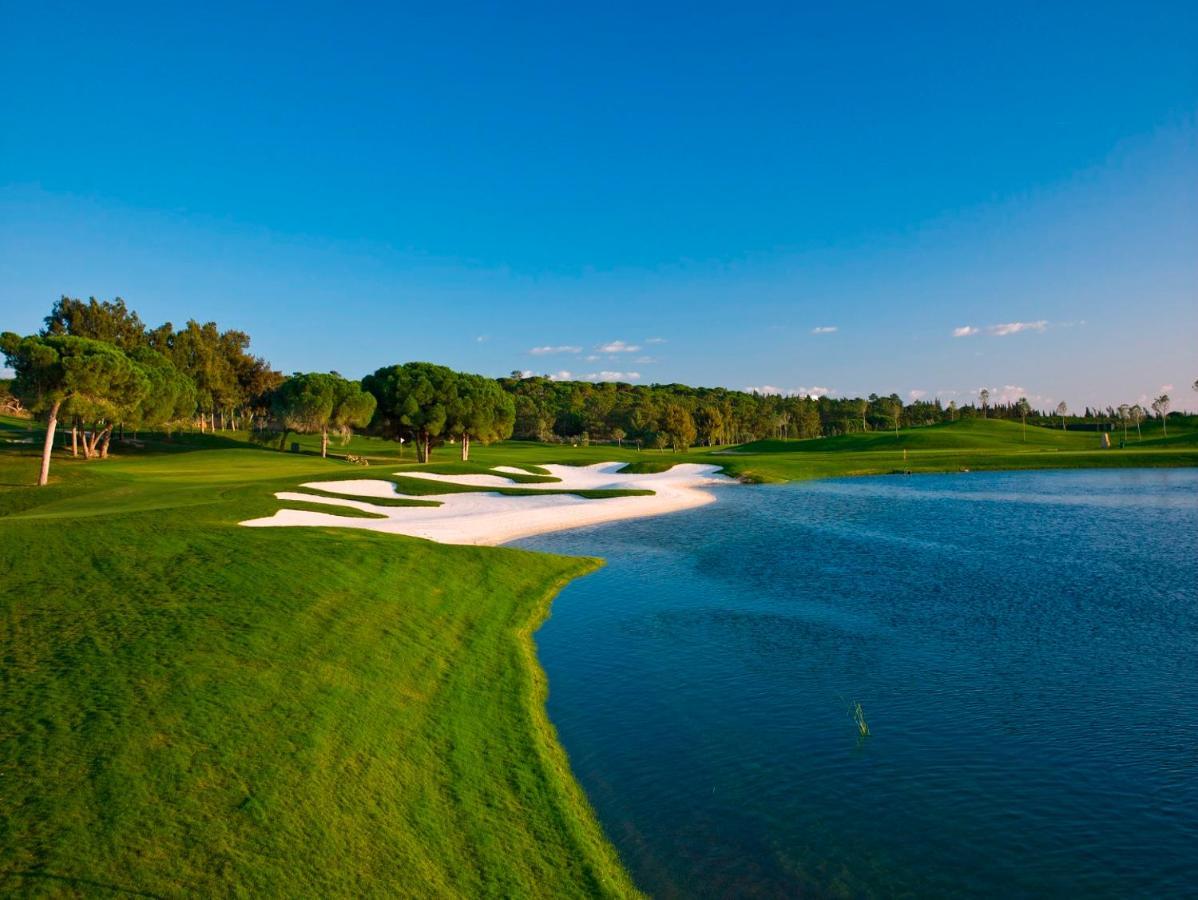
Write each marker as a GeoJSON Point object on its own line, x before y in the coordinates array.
{"type": "Point", "coordinates": [484, 517]}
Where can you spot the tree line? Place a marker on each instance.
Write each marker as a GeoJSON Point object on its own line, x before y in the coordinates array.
{"type": "Point", "coordinates": [97, 367]}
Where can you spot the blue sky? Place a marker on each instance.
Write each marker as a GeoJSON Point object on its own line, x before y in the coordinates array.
{"type": "Point", "coordinates": [781, 195]}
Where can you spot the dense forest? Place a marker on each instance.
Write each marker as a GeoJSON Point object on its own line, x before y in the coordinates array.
{"type": "Point", "coordinates": [97, 368]}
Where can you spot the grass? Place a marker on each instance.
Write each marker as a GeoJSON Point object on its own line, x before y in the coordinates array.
{"type": "Point", "coordinates": [193, 708]}
{"type": "Point", "coordinates": [190, 707]}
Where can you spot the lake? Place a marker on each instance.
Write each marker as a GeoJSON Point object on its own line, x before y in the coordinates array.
{"type": "Point", "coordinates": [1024, 647]}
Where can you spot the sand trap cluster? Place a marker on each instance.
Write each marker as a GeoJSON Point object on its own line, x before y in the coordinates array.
{"type": "Point", "coordinates": [485, 517]}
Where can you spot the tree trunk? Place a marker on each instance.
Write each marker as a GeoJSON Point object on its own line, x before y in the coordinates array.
{"type": "Point", "coordinates": [74, 438]}
{"type": "Point", "coordinates": [283, 441]}
{"type": "Point", "coordinates": [425, 448]}
{"type": "Point", "coordinates": [105, 438]}
{"type": "Point", "coordinates": [48, 447]}
{"type": "Point", "coordinates": [465, 446]}
{"type": "Point", "coordinates": [324, 443]}
{"type": "Point", "coordinates": [1165, 423]}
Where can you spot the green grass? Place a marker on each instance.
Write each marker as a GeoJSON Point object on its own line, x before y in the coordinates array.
{"type": "Point", "coordinates": [193, 708]}
{"type": "Point", "coordinates": [974, 444]}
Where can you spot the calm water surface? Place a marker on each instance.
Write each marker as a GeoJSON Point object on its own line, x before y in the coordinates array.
{"type": "Point", "coordinates": [1024, 646]}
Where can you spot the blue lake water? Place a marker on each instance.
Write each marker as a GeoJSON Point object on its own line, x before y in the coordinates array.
{"type": "Point", "coordinates": [1024, 647]}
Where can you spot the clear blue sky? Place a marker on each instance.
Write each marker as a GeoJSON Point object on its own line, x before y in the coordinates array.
{"type": "Point", "coordinates": [708, 184]}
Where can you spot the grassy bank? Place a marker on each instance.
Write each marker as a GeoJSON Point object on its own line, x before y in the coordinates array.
{"type": "Point", "coordinates": [190, 707]}
{"type": "Point", "coordinates": [193, 708]}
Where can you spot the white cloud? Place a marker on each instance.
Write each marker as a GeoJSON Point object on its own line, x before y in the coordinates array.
{"type": "Point", "coordinates": [594, 357]}
{"type": "Point", "coordinates": [655, 340]}
{"type": "Point", "coordinates": [562, 375]}
{"type": "Point", "coordinates": [547, 351]}
{"type": "Point", "coordinates": [965, 331]}
{"type": "Point", "coordinates": [6, 373]}
{"type": "Point", "coordinates": [917, 395]}
{"type": "Point", "coordinates": [483, 338]}
{"type": "Point", "coordinates": [1165, 388]}
{"type": "Point", "coordinates": [1009, 393]}
{"type": "Point", "coordinates": [813, 392]}
{"type": "Point", "coordinates": [824, 329]}
{"type": "Point", "coordinates": [1016, 327]}
{"type": "Point", "coordinates": [619, 347]}
{"type": "Point", "coordinates": [612, 376]}
{"type": "Point", "coordinates": [645, 360]}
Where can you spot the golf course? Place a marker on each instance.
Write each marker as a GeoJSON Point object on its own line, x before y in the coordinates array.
{"type": "Point", "coordinates": [190, 707]}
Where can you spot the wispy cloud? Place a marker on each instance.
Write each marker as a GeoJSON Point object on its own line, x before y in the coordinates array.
{"type": "Point", "coordinates": [1016, 327]}
{"type": "Point", "coordinates": [483, 338]}
{"type": "Point", "coordinates": [1003, 329]}
{"type": "Point", "coordinates": [814, 392]}
{"type": "Point", "coordinates": [1009, 393]}
{"type": "Point", "coordinates": [645, 360]}
{"type": "Point", "coordinates": [917, 394]}
{"type": "Point", "coordinates": [612, 376]}
{"type": "Point", "coordinates": [655, 340]}
{"type": "Point", "coordinates": [560, 375]}
{"type": "Point", "coordinates": [549, 351]}
{"type": "Point", "coordinates": [619, 347]}
{"type": "Point", "coordinates": [825, 329]}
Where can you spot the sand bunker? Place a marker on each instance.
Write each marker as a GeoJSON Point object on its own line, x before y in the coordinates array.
{"type": "Point", "coordinates": [485, 517]}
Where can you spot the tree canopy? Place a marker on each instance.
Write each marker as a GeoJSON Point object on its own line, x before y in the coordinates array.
{"type": "Point", "coordinates": [426, 403]}
{"type": "Point", "coordinates": [91, 379]}
{"type": "Point", "coordinates": [318, 402]}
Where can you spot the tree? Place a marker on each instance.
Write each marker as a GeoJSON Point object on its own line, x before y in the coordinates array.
{"type": "Point", "coordinates": [56, 373]}
{"type": "Point", "coordinates": [892, 408]}
{"type": "Point", "coordinates": [105, 321]}
{"type": "Point", "coordinates": [170, 395]}
{"type": "Point", "coordinates": [1062, 411]}
{"type": "Point", "coordinates": [1161, 407]}
{"type": "Point", "coordinates": [984, 396]}
{"type": "Point", "coordinates": [483, 411]}
{"type": "Point", "coordinates": [861, 407]}
{"type": "Point", "coordinates": [304, 403]}
{"type": "Point", "coordinates": [1137, 416]}
{"type": "Point", "coordinates": [414, 402]}
{"type": "Point", "coordinates": [352, 408]}
{"type": "Point", "coordinates": [1124, 417]}
{"type": "Point", "coordinates": [618, 435]}
{"type": "Point", "coordinates": [1023, 408]}
{"type": "Point", "coordinates": [680, 427]}
{"type": "Point", "coordinates": [952, 410]}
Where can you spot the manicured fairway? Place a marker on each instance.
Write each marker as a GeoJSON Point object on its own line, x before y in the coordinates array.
{"type": "Point", "coordinates": [191, 707]}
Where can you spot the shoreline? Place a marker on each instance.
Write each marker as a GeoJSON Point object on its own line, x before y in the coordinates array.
{"type": "Point", "coordinates": [485, 518]}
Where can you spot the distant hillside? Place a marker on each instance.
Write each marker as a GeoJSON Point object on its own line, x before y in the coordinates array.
{"type": "Point", "coordinates": [966, 434]}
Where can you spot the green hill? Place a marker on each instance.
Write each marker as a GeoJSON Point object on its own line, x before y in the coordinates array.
{"type": "Point", "coordinates": [967, 434]}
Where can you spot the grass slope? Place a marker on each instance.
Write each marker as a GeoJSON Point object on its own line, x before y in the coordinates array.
{"type": "Point", "coordinates": [193, 708]}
